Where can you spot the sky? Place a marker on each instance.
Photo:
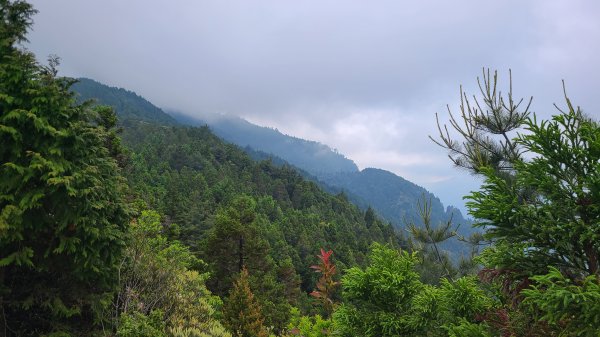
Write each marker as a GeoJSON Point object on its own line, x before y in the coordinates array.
{"type": "Point", "coordinates": [364, 77]}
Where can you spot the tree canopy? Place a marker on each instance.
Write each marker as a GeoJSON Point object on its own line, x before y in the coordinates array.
{"type": "Point", "coordinates": [62, 214]}
{"type": "Point", "coordinates": [539, 206]}
{"type": "Point", "coordinates": [175, 233]}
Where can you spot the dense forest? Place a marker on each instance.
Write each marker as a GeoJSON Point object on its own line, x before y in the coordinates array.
{"type": "Point", "coordinates": [116, 225]}
{"type": "Point", "coordinates": [391, 196]}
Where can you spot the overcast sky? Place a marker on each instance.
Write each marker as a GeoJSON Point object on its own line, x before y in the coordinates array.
{"type": "Point", "coordinates": [364, 77]}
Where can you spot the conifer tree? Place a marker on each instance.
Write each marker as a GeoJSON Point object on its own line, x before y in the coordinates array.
{"type": "Point", "coordinates": [539, 207]}
{"type": "Point", "coordinates": [435, 263]}
{"type": "Point", "coordinates": [370, 217]}
{"type": "Point", "coordinates": [242, 312]}
{"type": "Point", "coordinates": [387, 299]}
{"type": "Point", "coordinates": [233, 243]}
{"type": "Point", "coordinates": [62, 215]}
{"type": "Point", "coordinates": [485, 128]}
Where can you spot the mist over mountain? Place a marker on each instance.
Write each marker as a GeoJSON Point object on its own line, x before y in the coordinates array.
{"type": "Point", "coordinates": [394, 198]}
{"type": "Point", "coordinates": [314, 157]}
{"type": "Point", "coordinates": [398, 200]}
{"type": "Point", "coordinates": [122, 218]}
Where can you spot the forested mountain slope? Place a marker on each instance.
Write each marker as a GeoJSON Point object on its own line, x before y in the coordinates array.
{"type": "Point", "coordinates": [234, 211]}
{"type": "Point", "coordinates": [205, 186]}
{"type": "Point", "coordinates": [211, 172]}
{"type": "Point", "coordinates": [394, 197]}
{"type": "Point", "coordinates": [130, 106]}
{"type": "Point", "coordinates": [311, 156]}
{"type": "Point", "coordinates": [144, 228]}
{"type": "Point", "coordinates": [391, 196]}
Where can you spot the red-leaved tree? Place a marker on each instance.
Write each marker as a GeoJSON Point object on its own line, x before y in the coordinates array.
{"type": "Point", "coordinates": [325, 287]}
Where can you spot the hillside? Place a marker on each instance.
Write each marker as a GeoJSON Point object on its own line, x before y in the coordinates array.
{"type": "Point", "coordinates": [392, 197]}
{"type": "Point", "coordinates": [130, 106]}
{"type": "Point", "coordinates": [314, 157]}
{"type": "Point", "coordinates": [124, 221]}
{"type": "Point", "coordinates": [396, 200]}
{"type": "Point", "coordinates": [193, 177]}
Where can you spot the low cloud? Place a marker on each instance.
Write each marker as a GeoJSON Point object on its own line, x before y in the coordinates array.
{"type": "Point", "coordinates": [363, 77]}
{"type": "Point", "coordinates": [384, 138]}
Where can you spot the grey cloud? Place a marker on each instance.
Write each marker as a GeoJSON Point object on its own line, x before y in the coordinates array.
{"type": "Point", "coordinates": [365, 77]}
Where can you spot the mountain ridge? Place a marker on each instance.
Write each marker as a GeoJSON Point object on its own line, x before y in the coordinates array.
{"type": "Point", "coordinates": [302, 153]}
{"type": "Point", "coordinates": [393, 197]}
{"type": "Point", "coordinates": [128, 104]}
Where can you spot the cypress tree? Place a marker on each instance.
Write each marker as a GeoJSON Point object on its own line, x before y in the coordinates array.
{"type": "Point", "coordinates": [62, 215]}
{"type": "Point", "coordinates": [243, 315]}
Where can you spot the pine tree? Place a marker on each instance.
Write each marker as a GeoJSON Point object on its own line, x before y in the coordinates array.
{"type": "Point", "coordinates": [485, 128]}
{"type": "Point", "coordinates": [370, 217]}
{"type": "Point", "coordinates": [242, 312]}
{"type": "Point", "coordinates": [539, 207]}
{"type": "Point", "coordinates": [435, 263]}
{"type": "Point", "coordinates": [237, 240]}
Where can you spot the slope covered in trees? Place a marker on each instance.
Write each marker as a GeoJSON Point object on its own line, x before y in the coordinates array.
{"type": "Point", "coordinates": [397, 199]}
{"type": "Point", "coordinates": [311, 156]}
{"type": "Point", "coordinates": [233, 212]}
{"type": "Point", "coordinates": [83, 250]}
{"type": "Point", "coordinates": [187, 173]}
{"type": "Point", "coordinates": [129, 105]}
{"type": "Point", "coordinates": [391, 196]}
{"type": "Point", "coordinates": [177, 233]}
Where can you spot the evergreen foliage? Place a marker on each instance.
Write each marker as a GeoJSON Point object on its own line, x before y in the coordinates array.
{"type": "Point", "coordinates": [486, 128]}
{"type": "Point", "coordinates": [129, 105]}
{"type": "Point", "coordinates": [387, 298]}
{"type": "Point", "coordinates": [220, 198]}
{"type": "Point", "coordinates": [62, 215]}
{"type": "Point", "coordinates": [242, 313]}
{"type": "Point", "coordinates": [233, 243]}
{"type": "Point", "coordinates": [435, 263]}
{"type": "Point", "coordinates": [569, 307]}
{"type": "Point", "coordinates": [391, 196]}
{"type": "Point", "coordinates": [308, 326]}
{"type": "Point", "coordinates": [539, 206]}
{"type": "Point", "coordinates": [156, 279]}
{"type": "Point", "coordinates": [77, 260]}
{"type": "Point", "coordinates": [550, 211]}
{"type": "Point", "coordinates": [191, 176]}
{"type": "Point", "coordinates": [314, 157]}
{"type": "Point", "coordinates": [396, 200]}
{"type": "Point", "coordinates": [545, 221]}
